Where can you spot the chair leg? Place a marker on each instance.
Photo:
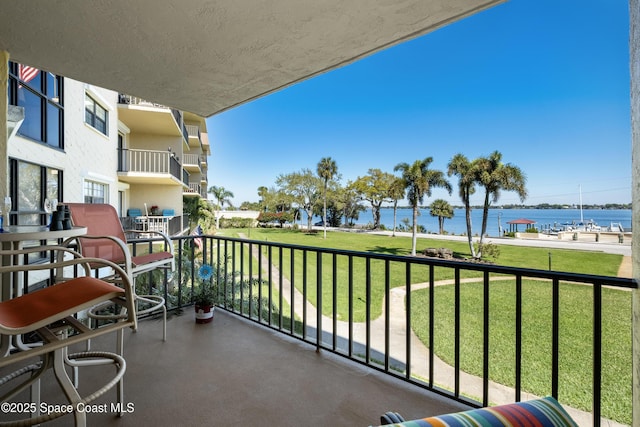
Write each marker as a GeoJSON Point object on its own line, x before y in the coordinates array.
{"type": "Point", "coordinates": [120, 342]}
{"type": "Point", "coordinates": [67, 386]}
{"type": "Point", "coordinates": [164, 323]}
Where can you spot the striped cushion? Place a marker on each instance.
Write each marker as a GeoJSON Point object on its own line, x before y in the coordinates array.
{"type": "Point", "coordinates": [545, 412]}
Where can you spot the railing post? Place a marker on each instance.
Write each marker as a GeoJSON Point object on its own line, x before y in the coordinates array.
{"type": "Point", "coordinates": [319, 299]}
{"type": "Point", "coordinates": [634, 56]}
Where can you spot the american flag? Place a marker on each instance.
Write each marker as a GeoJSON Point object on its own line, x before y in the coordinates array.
{"type": "Point", "coordinates": [28, 73]}
{"type": "Point", "coordinates": [198, 240]}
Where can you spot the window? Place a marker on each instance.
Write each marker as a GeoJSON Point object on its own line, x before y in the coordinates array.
{"type": "Point", "coordinates": [29, 185]}
{"type": "Point", "coordinates": [95, 192]}
{"type": "Point", "coordinates": [40, 94]}
{"type": "Point", "coordinates": [95, 115]}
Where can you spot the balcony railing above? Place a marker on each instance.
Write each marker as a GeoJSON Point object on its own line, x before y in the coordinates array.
{"type": "Point", "coordinates": [193, 188]}
{"type": "Point", "coordinates": [194, 132]}
{"type": "Point", "coordinates": [133, 100]}
{"type": "Point", "coordinates": [191, 160]}
{"type": "Point", "coordinates": [149, 162]}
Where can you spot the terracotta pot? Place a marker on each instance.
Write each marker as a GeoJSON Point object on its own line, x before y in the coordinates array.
{"type": "Point", "coordinates": [204, 314]}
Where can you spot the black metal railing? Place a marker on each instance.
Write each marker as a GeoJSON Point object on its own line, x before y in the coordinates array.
{"type": "Point", "coordinates": [341, 301]}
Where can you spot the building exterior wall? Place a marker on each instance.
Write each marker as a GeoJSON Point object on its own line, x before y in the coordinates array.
{"type": "Point", "coordinates": [634, 54]}
{"type": "Point", "coordinates": [163, 196]}
{"type": "Point", "coordinates": [88, 154]}
{"type": "Point", "coordinates": [4, 141]}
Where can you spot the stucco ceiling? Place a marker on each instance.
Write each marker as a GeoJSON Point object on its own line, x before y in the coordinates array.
{"type": "Point", "coordinates": [206, 56]}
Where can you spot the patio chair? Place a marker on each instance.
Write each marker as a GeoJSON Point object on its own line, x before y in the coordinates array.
{"type": "Point", "coordinates": [106, 239]}
{"type": "Point", "coordinates": [48, 315]}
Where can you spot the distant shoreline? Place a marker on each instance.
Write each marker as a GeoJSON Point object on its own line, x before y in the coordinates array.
{"type": "Point", "coordinates": [608, 206]}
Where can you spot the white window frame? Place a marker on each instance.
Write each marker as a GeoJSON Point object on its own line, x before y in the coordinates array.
{"type": "Point", "coordinates": [89, 186]}
{"type": "Point", "coordinates": [91, 100]}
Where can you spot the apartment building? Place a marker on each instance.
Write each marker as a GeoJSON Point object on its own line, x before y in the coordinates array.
{"type": "Point", "coordinates": [82, 143]}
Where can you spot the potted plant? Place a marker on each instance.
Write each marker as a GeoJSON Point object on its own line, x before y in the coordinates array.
{"type": "Point", "coordinates": [205, 294]}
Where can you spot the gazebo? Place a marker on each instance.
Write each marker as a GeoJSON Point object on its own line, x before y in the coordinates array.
{"type": "Point", "coordinates": [517, 222]}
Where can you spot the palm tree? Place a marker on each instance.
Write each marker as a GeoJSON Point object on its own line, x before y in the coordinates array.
{"type": "Point", "coordinates": [262, 193]}
{"type": "Point", "coordinates": [326, 169]}
{"type": "Point", "coordinates": [396, 192]}
{"type": "Point", "coordinates": [419, 180]}
{"type": "Point", "coordinates": [222, 195]}
{"type": "Point", "coordinates": [460, 166]}
{"type": "Point", "coordinates": [442, 209]}
{"type": "Point", "coordinates": [495, 176]}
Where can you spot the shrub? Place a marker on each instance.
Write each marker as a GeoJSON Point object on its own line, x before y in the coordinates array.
{"type": "Point", "coordinates": [489, 251]}
{"type": "Point", "coordinates": [281, 218]}
{"type": "Point", "coordinates": [236, 222]}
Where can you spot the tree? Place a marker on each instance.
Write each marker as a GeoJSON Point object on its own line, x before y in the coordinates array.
{"type": "Point", "coordinates": [349, 202]}
{"type": "Point", "coordinates": [222, 195]}
{"type": "Point", "coordinates": [442, 209]}
{"type": "Point", "coordinates": [250, 206]}
{"type": "Point", "coordinates": [374, 188]}
{"type": "Point", "coordinates": [396, 192]}
{"type": "Point", "coordinates": [495, 176]}
{"type": "Point", "coordinates": [199, 211]}
{"type": "Point", "coordinates": [326, 169]}
{"type": "Point", "coordinates": [419, 180]}
{"type": "Point", "coordinates": [461, 167]}
{"type": "Point", "coordinates": [262, 193]}
{"type": "Point", "coordinates": [304, 188]}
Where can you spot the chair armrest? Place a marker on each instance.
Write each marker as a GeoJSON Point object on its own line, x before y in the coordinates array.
{"type": "Point", "coordinates": [86, 263]}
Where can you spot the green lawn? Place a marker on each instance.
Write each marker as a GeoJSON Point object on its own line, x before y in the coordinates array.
{"type": "Point", "coordinates": [576, 318]}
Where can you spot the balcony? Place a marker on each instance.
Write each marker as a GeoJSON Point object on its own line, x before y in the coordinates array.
{"type": "Point", "coordinates": [143, 116]}
{"type": "Point", "coordinates": [195, 139]}
{"type": "Point", "coordinates": [149, 167]}
{"type": "Point", "coordinates": [193, 190]}
{"type": "Point", "coordinates": [169, 225]}
{"type": "Point", "coordinates": [192, 162]}
{"type": "Point", "coordinates": [345, 365]}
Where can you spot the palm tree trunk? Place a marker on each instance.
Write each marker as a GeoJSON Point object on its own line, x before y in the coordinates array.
{"type": "Point", "coordinates": [467, 208]}
{"type": "Point", "coordinates": [395, 213]}
{"type": "Point", "coordinates": [324, 210]}
{"type": "Point", "coordinates": [415, 230]}
{"type": "Point", "coordinates": [483, 230]}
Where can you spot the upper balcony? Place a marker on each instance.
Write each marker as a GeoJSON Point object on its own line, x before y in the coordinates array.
{"type": "Point", "coordinates": [195, 138]}
{"type": "Point", "coordinates": [149, 167]}
{"type": "Point", "coordinates": [196, 189]}
{"type": "Point", "coordinates": [192, 162]}
{"type": "Point", "coordinates": [142, 116]}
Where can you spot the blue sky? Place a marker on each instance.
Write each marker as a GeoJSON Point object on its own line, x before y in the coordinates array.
{"type": "Point", "coordinates": [545, 82]}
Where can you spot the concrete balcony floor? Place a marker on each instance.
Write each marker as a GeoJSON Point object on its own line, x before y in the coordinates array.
{"type": "Point", "coordinates": [235, 372]}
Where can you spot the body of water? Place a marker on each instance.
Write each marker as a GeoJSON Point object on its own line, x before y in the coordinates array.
{"type": "Point", "coordinates": [544, 218]}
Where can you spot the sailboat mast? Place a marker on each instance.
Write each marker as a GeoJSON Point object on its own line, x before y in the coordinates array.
{"type": "Point", "coordinates": [581, 218]}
